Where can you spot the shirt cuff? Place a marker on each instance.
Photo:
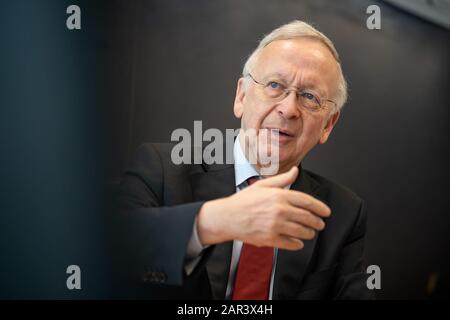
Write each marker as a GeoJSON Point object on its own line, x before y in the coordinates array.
{"type": "Point", "coordinates": [194, 250]}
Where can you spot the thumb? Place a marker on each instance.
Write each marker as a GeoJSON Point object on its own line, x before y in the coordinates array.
{"type": "Point", "coordinates": [280, 180]}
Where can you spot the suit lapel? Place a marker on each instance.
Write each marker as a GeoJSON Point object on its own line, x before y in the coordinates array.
{"type": "Point", "coordinates": [215, 182]}
{"type": "Point", "coordinates": [291, 265]}
{"type": "Point", "coordinates": [218, 181]}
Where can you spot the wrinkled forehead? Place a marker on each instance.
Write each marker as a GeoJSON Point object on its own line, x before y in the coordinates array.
{"type": "Point", "coordinates": [300, 59]}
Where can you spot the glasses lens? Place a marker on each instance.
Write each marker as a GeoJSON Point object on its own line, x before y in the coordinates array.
{"type": "Point", "coordinates": [309, 101]}
{"type": "Point", "coordinates": [273, 90]}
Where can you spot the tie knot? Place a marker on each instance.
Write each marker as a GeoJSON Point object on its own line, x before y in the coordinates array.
{"type": "Point", "coordinates": [252, 180]}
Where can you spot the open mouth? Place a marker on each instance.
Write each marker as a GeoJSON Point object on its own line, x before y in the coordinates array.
{"type": "Point", "coordinates": [280, 132]}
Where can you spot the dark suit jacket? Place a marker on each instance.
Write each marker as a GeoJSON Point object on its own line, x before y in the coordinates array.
{"type": "Point", "coordinates": [158, 203]}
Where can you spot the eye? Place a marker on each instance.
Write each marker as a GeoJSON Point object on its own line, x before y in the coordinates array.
{"type": "Point", "coordinates": [274, 85]}
{"type": "Point", "coordinates": [308, 96]}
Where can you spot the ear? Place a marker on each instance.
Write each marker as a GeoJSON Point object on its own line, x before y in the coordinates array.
{"type": "Point", "coordinates": [239, 99]}
{"type": "Point", "coordinates": [328, 127]}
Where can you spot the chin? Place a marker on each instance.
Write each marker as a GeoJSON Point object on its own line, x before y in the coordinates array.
{"type": "Point", "coordinates": [288, 159]}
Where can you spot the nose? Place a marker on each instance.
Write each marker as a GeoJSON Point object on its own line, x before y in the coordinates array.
{"type": "Point", "coordinates": [288, 108]}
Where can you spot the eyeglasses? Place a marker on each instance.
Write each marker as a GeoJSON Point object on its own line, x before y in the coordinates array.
{"type": "Point", "coordinates": [275, 91]}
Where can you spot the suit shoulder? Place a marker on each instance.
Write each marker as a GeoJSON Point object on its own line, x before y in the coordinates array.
{"type": "Point", "coordinates": [160, 156]}
{"type": "Point", "coordinates": [152, 153]}
{"type": "Point", "coordinates": [333, 190]}
{"type": "Point", "coordinates": [154, 148]}
{"type": "Point", "coordinates": [349, 215]}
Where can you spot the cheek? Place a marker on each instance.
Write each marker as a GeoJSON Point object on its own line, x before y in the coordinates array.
{"type": "Point", "coordinates": [248, 119]}
{"type": "Point", "coordinates": [311, 133]}
{"type": "Point", "coordinates": [255, 114]}
{"type": "Point", "coordinates": [315, 126]}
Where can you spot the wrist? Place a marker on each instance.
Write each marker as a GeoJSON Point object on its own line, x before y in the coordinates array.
{"type": "Point", "coordinates": [210, 222]}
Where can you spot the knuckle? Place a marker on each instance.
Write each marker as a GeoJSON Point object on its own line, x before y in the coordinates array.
{"type": "Point", "coordinates": [278, 210]}
{"type": "Point", "coordinates": [311, 233]}
{"type": "Point", "coordinates": [305, 215]}
{"type": "Point", "coordinates": [306, 233]}
{"type": "Point", "coordinates": [301, 245]}
{"type": "Point", "coordinates": [316, 222]}
{"type": "Point", "coordinates": [298, 232]}
{"type": "Point", "coordinates": [293, 244]}
{"type": "Point", "coordinates": [320, 224]}
{"type": "Point", "coordinates": [273, 226]}
{"type": "Point", "coordinates": [307, 201]}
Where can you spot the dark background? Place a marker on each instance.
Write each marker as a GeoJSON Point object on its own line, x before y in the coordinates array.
{"type": "Point", "coordinates": [78, 103]}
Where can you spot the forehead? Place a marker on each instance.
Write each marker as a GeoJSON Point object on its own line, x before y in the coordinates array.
{"type": "Point", "coordinates": [299, 60]}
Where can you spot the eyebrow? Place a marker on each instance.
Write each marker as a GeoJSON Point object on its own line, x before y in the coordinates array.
{"type": "Point", "coordinates": [276, 74]}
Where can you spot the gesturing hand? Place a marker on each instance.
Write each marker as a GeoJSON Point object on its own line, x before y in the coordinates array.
{"type": "Point", "coordinates": [264, 214]}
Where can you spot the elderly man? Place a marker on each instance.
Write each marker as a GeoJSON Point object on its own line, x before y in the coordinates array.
{"type": "Point", "coordinates": [231, 232]}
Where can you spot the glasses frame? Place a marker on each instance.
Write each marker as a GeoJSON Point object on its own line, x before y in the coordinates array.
{"type": "Point", "coordinates": [320, 101]}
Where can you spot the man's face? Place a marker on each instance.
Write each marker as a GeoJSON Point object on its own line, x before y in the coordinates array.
{"type": "Point", "coordinates": [303, 64]}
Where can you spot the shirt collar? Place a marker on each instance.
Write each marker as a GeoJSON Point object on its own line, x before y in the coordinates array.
{"type": "Point", "coordinates": [242, 167]}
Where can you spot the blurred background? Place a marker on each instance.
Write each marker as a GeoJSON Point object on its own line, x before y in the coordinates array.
{"type": "Point", "coordinates": [76, 104]}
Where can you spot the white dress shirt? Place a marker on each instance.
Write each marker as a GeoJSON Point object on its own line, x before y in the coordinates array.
{"type": "Point", "coordinates": [242, 171]}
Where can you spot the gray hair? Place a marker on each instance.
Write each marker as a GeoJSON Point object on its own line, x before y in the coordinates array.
{"type": "Point", "coordinates": [296, 29]}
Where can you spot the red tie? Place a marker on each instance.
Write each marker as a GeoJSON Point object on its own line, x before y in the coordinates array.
{"type": "Point", "coordinates": [253, 273]}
